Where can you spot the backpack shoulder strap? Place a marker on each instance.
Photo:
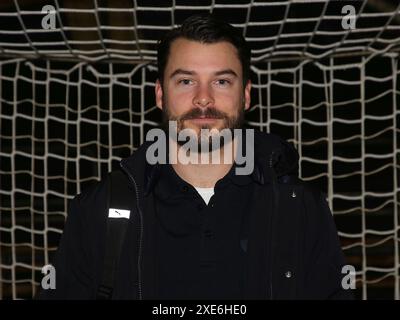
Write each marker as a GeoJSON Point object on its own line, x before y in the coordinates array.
{"type": "Point", "coordinates": [118, 213]}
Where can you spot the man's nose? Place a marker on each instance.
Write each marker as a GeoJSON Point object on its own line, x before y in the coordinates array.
{"type": "Point", "coordinates": [203, 98]}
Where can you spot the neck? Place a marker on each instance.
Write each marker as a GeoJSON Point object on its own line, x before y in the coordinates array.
{"type": "Point", "coordinates": [205, 174]}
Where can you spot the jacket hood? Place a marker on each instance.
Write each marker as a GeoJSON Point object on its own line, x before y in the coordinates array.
{"type": "Point", "coordinates": [278, 153]}
{"type": "Point", "coordinates": [272, 156]}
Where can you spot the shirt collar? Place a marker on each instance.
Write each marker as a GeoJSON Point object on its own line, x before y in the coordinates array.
{"type": "Point", "coordinates": [154, 172]}
{"type": "Point", "coordinates": [170, 183]}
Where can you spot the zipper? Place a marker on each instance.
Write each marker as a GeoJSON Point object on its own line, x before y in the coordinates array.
{"type": "Point", "coordinates": [141, 230]}
{"type": "Point", "coordinates": [271, 220]}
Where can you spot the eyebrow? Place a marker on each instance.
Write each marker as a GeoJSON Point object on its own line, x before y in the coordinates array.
{"type": "Point", "coordinates": [190, 72]}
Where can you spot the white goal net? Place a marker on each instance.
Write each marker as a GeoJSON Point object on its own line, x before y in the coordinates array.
{"type": "Point", "coordinates": [76, 98]}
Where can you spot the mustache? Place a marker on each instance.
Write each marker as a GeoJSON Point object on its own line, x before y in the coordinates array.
{"type": "Point", "coordinates": [207, 112]}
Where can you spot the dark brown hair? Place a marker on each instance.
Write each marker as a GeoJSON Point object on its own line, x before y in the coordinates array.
{"type": "Point", "coordinates": [206, 29]}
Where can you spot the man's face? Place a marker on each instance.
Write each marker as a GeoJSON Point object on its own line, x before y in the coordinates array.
{"type": "Point", "coordinates": [203, 86]}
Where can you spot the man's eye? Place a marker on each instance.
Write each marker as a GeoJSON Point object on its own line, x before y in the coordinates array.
{"type": "Point", "coordinates": [223, 82]}
{"type": "Point", "coordinates": [185, 81]}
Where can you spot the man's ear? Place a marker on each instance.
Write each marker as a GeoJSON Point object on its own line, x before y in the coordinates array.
{"type": "Point", "coordinates": [159, 94]}
{"type": "Point", "coordinates": [247, 96]}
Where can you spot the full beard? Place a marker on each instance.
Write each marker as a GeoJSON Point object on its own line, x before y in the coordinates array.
{"type": "Point", "coordinates": [205, 140]}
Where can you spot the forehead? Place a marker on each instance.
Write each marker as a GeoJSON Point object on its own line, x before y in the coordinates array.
{"type": "Point", "coordinates": [202, 57]}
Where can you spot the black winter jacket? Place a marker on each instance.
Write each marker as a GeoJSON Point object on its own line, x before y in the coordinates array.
{"type": "Point", "coordinates": [303, 259]}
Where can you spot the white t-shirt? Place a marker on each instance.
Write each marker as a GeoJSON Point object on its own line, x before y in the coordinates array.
{"type": "Point", "coordinates": [206, 193]}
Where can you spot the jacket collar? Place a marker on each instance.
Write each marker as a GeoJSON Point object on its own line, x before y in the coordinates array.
{"type": "Point", "coordinates": [272, 155]}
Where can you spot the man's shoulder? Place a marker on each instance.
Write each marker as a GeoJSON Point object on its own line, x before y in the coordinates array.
{"type": "Point", "coordinates": [269, 138]}
{"type": "Point", "coordinates": [101, 188]}
{"type": "Point", "coordinates": [93, 191]}
{"type": "Point", "coordinates": [306, 186]}
{"type": "Point", "coordinates": [307, 190]}
{"type": "Point", "coordinates": [314, 202]}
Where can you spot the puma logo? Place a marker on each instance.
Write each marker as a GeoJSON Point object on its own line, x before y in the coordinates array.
{"type": "Point", "coordinates": [119, 213]}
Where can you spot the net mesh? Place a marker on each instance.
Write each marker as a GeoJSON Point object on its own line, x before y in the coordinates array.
{"type": "Point", "coordinates": [129, 30]}
{"type": "Point", "coordinates": [68, 118]}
